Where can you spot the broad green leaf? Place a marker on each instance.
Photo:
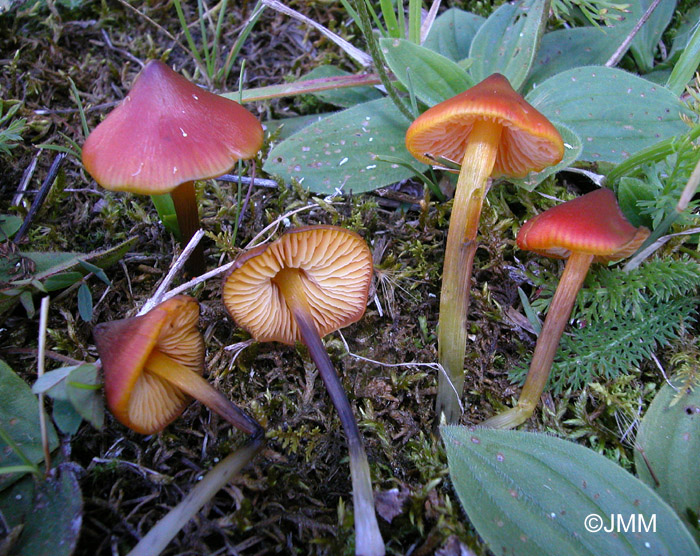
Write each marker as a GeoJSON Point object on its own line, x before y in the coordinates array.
{"type": "Point", "coordinates": [614, 112]}
{"type": "Point", "coordinates": [52, 526]}
{"type": "Point", "coordinates": [452, 33]}
{"type": "Point", "coordinates": [647, 39]}
{"type": "Point", "coordinates": [667, 448]}
{"type": "Point", "coordinates": [629, 192]}
{"type": "Point", "coordinates": [52, 383]}
{"type": "Point", "coordinates": [41, 263]}
{"type": "Point", "coordinates": [27, 301]}
{"type": "Point", "coordinates": [572, 151]}
{"type": "Point", "coordinates": [507, 42]}
{"type": "Point", "coordinates": [16, 501]}
{"type": "Point", "coordinates": [9, 224]}
{"type": "Point", "coordinates": [79, 385]}
{"type": "Point", "coordinates": [340, 151]}
{"type": "Point", "coordinates": [19, 417]}
{"type": "Point", "coordinates": [345, 96]}
{"type": "Point", "coordinates": [654, 153]}
{"type": "Point", "coordinates": [47, 265]}
{"type": "Point", "coordinates": [689, 22]}
{"type": "Point", "coordinates": [687, 64]}
{"type": "Point", "coordinates": [50, 263]}
{"type": "Point", "coordinates": [85, 302]}
{"type": "Point", "coordinates": [67, 419]}
{"type": "Point", "coordinates": [659, 76]}
{"type": "Point", "coordinates": [570, 48]}
{"type": "Point", "coordinates": [286, 127]}
{"type": "Point", "coordinates": [96, 270]}
{"type": "Point", "coordinates": [433, 77]}
{"type": "Point", "coordinates": [534, 494]}
{"type": "Point", "coordinates": [84, 392]}
{"type": "Point", "coordinates": [62, 280]}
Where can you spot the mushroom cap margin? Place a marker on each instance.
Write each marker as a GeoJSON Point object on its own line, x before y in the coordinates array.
{"type": "Point", "coordinates": [592, 223]}
{"type": "Point", "coordinates": [529, 141]}
{"type": "Point", "coordinates": [140, 400]}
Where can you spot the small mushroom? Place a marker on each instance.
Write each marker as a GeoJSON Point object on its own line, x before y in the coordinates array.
{"type": "Point", "coordinates": [587, 229]}
{"type": "Point", "coordinates": [166, 133]}
{"type": "Point", "coordinates": [494, 132]}
{"type": "Point", "coordinates": [308, 283]}
{"type": "Point", "coordinates": [153, 362]}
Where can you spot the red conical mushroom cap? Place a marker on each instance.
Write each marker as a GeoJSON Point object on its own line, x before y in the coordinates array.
{"type": "Point", "coordinates": [529, 142]}
{"type": "Point", "coordinates": [168, 131]}
{"type": "Point", "coordinates": [139, 399]}
{"type": "Point", "coordinates": [592, 223]}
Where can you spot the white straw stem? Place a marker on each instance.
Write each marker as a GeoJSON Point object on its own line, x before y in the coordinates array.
{"type": "Point", "coordinates": [155, 541]}
{"type": "Point", "coordinates": [43, 324]}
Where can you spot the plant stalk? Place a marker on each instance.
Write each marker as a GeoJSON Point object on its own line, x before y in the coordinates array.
{"type": "Point", "coordinates": [155, 541]}
{"type": "Point", "coordinates": [366, 27]}
{"type": "Point", "coordinates": [547, 343]}
{"type": "Point", "coordinates": [196, 386]}
{"type": "Point", "coordinates": [185, 200]}
{"type": "Point", "coordinates": [303, 87]}
{"type": "Point", "coordinates": [368, 539]}
{"type": "Point", "coordinates": [477, 165]}
{"type": "Point", "coordinates": [40, 362]}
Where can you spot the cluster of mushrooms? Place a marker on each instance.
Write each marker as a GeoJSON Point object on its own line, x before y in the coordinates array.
{"type": "Point", "coordinates": [168, 133]}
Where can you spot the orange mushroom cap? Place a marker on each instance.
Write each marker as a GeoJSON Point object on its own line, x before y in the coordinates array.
{"type": "Point", "coordinates": [168, 131]}
{"type": "Point", "coordinates": [592, 223]}
{"type": "Point", "coordinates": [529, 142]}
{"type": "Point", "coordinates": [336, 270]}
{"type": "Point", "coordinates": [138, 399]}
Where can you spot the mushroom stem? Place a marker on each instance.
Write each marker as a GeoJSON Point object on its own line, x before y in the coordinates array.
{"type": "Point", "coordinates": [547, 343]}
{"type": "Point", "coordinates": [368, 539]}
{"type": "Point", "coordinates": [191, 383]}
{"type": "Point", "coordinates": [477, 165]}
{"type": "Point", "coordinates": [185, 201]}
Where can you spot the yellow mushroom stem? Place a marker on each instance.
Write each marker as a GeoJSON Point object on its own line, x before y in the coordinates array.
{"type": "Point", "coordinates": [477, 165]}
{"type": "Point", "coordinates": [196, 386]}
{"type": "Point", "coordinates": [547, 343]}
{"type": "Point", "coordinates": [185, 202]}
{"type": "Point", "coordinates": [368, 539]}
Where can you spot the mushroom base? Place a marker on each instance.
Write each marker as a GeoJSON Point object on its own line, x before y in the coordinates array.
{"type": "Point", "coordinates": [558, 315]}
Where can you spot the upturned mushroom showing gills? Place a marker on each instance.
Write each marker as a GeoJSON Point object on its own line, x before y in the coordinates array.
{"type": "Point", "coordinates": [308, 283]}
{"type": "Point", "coordinates": [493, 132]}
{"type": "Point", "coordinates": [166, 133]}
{"type": "Point", "coordinates": [587, 229]}
{"type": "Point", "coordinates": [153, 362]}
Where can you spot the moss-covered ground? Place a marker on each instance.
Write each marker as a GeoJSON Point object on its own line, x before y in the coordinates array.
{"type": "Point", "coordinates": [295, 497]}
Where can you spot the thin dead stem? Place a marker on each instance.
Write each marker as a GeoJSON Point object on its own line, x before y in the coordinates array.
{"type": "Point", "coordinates": [160, 293]}
{"type": "Point", "coordinates": [43, 323]}
{"type": "Point", "coordinates": [619, 53]}
{"type": "Point", "coordinates": [355, 53]}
